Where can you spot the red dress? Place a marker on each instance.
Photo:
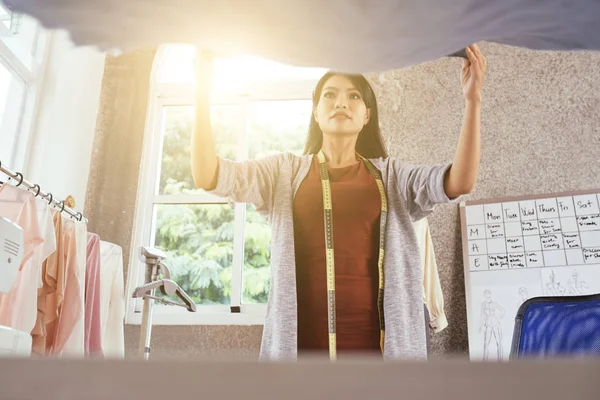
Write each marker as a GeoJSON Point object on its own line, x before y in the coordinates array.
{"type": "Point", "coordinates": [356, 215]}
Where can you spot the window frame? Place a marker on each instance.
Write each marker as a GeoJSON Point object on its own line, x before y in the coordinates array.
{"type": "Point", "coordinates": [181, 94]}
{"type": "Point", "coordinates": [26, 64]}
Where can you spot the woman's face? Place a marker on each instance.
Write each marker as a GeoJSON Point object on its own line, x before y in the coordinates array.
{"type": "Point", "coordinates": [341, 109]}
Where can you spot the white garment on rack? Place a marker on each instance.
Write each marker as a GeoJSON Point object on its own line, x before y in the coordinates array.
{"type": "Point", "coordinates": [112, 303]}
{"type": "Point", "coordinates": [433, 295]}
{"type": "Point", "coordinates": [75, 345]}
{"type": "Point", "coordinates": [20, 306]}
{"type": "Point", "coordinates": [349, 35]}
{"type": "Point", "coordinates": [46, 226]}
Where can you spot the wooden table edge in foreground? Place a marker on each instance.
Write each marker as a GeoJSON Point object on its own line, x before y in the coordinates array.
{"type": "Point", "coordinates": [52, 379]}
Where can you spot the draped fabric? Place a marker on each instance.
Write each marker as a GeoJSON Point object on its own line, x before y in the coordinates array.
{"type": "Point", "coordinates": [350, 35]}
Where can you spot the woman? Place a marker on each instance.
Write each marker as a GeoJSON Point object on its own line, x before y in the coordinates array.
{"type": "Point", "coordinates": [346, 275]}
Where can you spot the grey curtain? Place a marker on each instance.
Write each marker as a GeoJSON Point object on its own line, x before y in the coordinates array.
{"type": "Point", "coordinates": [117, 149]}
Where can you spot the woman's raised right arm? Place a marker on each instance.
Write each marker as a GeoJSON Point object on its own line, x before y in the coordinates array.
{"type": "Point", "coordinates": [250, 181]}
{"type": "Point", "coordinates": [205, 164]}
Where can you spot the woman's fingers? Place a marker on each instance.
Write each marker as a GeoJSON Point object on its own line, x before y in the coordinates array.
{"type": "Point", "coordinates": [480, 57]}
{"type": "Point", "coordinates": [472, 56]}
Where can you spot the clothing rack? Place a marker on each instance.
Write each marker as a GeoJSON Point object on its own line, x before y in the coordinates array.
{"type": "Point", "coordinates": [35, 189]}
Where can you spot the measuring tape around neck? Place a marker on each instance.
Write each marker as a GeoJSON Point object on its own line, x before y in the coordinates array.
{"type": "Point", "coordinates": [330, 252]}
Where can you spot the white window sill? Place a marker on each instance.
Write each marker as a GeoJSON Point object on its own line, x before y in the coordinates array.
{"type": "Point", "coordinates": [204, 315]}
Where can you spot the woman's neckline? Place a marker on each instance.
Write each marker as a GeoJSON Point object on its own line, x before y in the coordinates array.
{"type": "Point", "coordinates": [344, 167]}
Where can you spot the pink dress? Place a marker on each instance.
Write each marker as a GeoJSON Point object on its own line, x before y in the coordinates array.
{"type": "Point", "coordinates": [93, 318]}
{"type": "Point", "coordinates": [68, 312]}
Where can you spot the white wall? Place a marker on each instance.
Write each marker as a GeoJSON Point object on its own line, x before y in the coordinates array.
{"type": "Point", "coordinates": [63, 131]}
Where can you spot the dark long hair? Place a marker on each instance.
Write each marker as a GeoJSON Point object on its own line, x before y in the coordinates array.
{"type": "Point", "coordinates": [369, 143]}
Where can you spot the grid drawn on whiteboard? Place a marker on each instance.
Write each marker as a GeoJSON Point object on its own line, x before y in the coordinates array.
{"type": "Point", "coordinates": [547, 232]}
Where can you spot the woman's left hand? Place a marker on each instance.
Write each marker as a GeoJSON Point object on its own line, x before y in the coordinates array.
{"type": "Point", "coordinates": [472, 73]}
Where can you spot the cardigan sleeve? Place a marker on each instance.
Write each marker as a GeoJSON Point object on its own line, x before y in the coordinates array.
{"type": "Point", "coordinates": [250, 181]}
{"type": "Point", "coordinates": [422, 187]}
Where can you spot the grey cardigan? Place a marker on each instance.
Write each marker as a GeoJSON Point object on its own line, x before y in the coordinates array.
{"type": "Point", "coordinates": [412, 193]}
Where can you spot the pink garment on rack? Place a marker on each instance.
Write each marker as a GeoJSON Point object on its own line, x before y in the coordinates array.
{"type": "Point", "coordinates": [59, 331]}
{"type": "Point", "coordinates": [19, 207]}
{"type": "Point", "coordinates": [75, 345]}
{"type": "Point", "coordinates": [51, 295]}
{"type": "Point", "coordinates": [93, 318]}
{"type": "Point", "coordinates": [19, 307]}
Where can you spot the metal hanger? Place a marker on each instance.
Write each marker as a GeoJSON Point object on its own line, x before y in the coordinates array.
{"type": "Point", "coordinates": [167, 288]}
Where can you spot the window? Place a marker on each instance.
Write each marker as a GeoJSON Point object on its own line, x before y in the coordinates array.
{"type": "Point", "coordinates": [12, 95]}
{"type": "Point", "coordinates": [22, 51]}
{"type": "Point", "coordinates": [22, 33]}
{"type": "Point", "coordinates": [7, 18]}
{"type": "Point", "coordinates": [218, 252]}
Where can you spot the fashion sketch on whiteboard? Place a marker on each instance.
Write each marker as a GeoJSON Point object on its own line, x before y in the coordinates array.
{"type": "Point", "coordinates": [491, 315]}
{"type": "Point", "coordinates": [554, 287]}
{"type": "Point", "coordinates": [575, 286]}
{"type": "Point", "coordinates": [523, 296]}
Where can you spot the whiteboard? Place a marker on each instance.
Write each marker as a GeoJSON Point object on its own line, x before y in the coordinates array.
{"type": "Point", "coordinates": [521, 247]}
